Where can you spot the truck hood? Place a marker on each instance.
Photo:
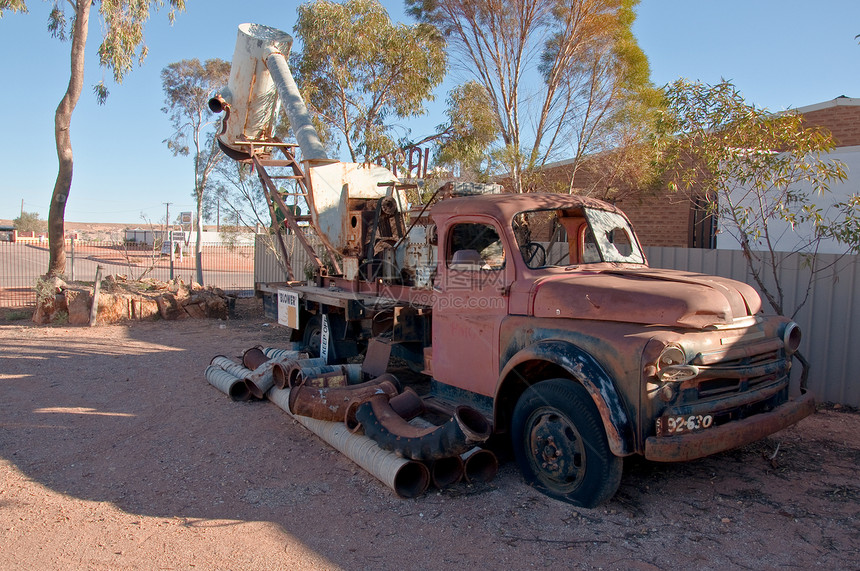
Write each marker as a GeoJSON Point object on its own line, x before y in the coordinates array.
{"type": "Point", "coordinates": [645, 295]}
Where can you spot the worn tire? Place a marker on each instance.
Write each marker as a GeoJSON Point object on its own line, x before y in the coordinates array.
{"type": "Point", "coordinates": [560, 444]}
{"type": "Point", "coordinates": [312, 337]}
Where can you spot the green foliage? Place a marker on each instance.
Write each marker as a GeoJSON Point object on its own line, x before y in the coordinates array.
{"type": "Point", "coordinates": [756, 169]}
{"type": "Point", "coordinates": [12, 6]}
{"type": "Point", "coordinates": [590, 78]}
{"type": "Point", "coordinates": [360, 73]}
{"type": "Point", "coordinates": [469, 133]}
{"type": "Point", "coordinates": [188, 84]}
{"type": "Point", "coordinates": [29, 222]}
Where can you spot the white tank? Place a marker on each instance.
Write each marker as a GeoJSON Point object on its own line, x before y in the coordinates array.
{"type": "Point", "coordinates": [251, 95]}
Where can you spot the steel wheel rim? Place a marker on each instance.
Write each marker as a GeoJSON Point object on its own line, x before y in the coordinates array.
{"type": "Point", "coordinates": [556, 449]}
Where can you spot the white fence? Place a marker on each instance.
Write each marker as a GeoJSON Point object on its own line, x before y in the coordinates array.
{"type": "Point", "coordinates": [830, 319]}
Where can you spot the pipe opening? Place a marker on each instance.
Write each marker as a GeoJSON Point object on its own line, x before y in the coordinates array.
{"type": "Point", "coordinates": [480, 466]}
{"type": "Point", "coordinates": [473, 424]}
{"type": "Point", "coordinates": [411, 480]}
{"type": "Point", "coordinates": [446, 471]}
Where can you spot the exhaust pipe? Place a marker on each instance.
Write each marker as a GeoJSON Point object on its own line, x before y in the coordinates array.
{"type": "Point", "coordinates": [381, 423]}
{"type": "Point", "coordinates": [407, 478]}
{"type": "Point", "coordinates": [332, 403]}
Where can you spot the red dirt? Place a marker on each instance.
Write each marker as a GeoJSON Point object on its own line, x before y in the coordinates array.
{"type": "Point", "coordinates": [116, 454]}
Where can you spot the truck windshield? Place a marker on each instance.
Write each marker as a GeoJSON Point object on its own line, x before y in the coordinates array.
{"type": "Point", "coordinates": [565, 237]}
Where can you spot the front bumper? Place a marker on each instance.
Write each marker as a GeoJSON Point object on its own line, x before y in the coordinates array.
{"type": "Point", "coordinates": [730, 435]}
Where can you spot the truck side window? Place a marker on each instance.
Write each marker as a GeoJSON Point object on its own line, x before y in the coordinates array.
{"type": "Point", "coordinates": [474, 246]}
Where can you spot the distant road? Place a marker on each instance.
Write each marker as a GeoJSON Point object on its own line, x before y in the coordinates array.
{"type": "Point", "coordinates": [22, 264]}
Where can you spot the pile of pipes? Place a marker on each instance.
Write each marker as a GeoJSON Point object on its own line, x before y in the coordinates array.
{"type": "Point", "coordinates": [374, 422]}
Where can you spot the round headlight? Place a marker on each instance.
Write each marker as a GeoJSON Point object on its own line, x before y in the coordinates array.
{"type": "Point", "coordinates": [671, 355]}
{"type": "Point", "coordinates": [791, 337]}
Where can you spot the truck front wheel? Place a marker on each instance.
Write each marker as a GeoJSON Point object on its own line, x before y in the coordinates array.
{"type": "Point", "coordinates": [560, 445]}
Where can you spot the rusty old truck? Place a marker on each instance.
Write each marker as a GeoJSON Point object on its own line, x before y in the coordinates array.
{"type": "Point", "coordinates": [537, 310]}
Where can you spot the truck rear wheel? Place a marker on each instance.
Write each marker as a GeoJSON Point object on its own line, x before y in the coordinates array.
{"type": "Point", "coordinates": [312, 337]}
{"type": "Point", "coordinates": [560, 445]}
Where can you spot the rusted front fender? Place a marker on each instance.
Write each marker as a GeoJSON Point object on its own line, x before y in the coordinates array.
{"type": "Point", "coordinates": [680, 448]}
{"type": "Point", "coordinates": [599, 384]}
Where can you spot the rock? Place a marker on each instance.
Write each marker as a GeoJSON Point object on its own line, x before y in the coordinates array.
{"type": "Point", "coordinates": [50, 310]}
{"type": "Point", "coordinates": [113, 308]}
{"type": "Point", "coordinates": [144, 308]}
{"type": "Point", "coordinates": [78, 302]}
{"type": "Point", "coordinates": [195, 310]}
{"type": "Point", "coordinates": [169, 307]}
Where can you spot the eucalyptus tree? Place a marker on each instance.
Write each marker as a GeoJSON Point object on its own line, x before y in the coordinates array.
{"type": "Point", "coordinates": [561, 76]}
{"type": "Point", "coordinates": [188, 84]}
{"type": "Point", "coordinates": [760, 173]}
{"type": "Point", "coordinates": [361, 74]}
{"type": "Point", "coordinates": [122, 26]}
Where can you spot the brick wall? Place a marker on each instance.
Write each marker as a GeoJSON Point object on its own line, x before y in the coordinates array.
{"type": "Point", "coordinates": [843, 121]}
{"type": "Point", "coordinates": [666, 219]}
{"type": "Point", "coordinates": [659, 219]}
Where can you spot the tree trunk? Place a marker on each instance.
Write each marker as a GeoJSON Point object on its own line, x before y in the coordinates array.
{"type": "Point", "coordinates": [198, 250]}
{"type": "Point", "coordinates": [62, 123]}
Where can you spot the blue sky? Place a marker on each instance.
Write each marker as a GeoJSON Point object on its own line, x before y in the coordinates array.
{"type": "Point", "coordinates": [780, 54]}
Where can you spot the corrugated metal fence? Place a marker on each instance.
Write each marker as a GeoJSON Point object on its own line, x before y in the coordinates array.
{"type": "Point", "coordinates": [267, 269]}
{"type": "Point", "coordinates": [830, 319]}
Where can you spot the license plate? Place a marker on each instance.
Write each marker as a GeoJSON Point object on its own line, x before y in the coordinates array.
{"type": "Point", "coordinates": [669, 425]}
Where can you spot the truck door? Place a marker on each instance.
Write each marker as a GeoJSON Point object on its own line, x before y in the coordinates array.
{"type": "Point", "coordinates": [471, 300]}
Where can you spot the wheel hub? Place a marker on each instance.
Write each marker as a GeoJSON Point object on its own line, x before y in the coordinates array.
{"type": "Point", "coordinates": [557, 448]}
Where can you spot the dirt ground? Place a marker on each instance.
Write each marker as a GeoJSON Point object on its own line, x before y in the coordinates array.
{"type": "Point", "coordinates": [115, 453]}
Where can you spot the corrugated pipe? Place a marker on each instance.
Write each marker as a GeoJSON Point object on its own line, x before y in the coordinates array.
{"type": "Point", "coordinates": [293, 350]}
{"type": "Point", "coordinates": [333, 403]}
{"type": "Point", "coordinates": [287, 371]}
{"type": "Point", "coordinates": [466, 428]}
{"type": "Point", "coordinates": [407, 478]}
{"type": "Point", "coordinates": [481, 465]}
{"type": "Point", "coordinates": [231, 367]}
{"type": "Point", "coordinates": [227, 383]}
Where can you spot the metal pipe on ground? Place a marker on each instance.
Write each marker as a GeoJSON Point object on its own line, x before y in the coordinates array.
{"type": "Point", "coordinates": [351, 375]}
{"type": "Point", "coordinates": [407, 405]}
{"type": "Point", "coordinates": [261, 379]}
{"type": "Point", "coordinates": [254, 357]}
{"type": "Point", "coordinates": [444, 472]}
{"type": "Point", "coordinates": [227, 383]}
{"type": "Point", "coordinates": [481, 465]}
{"type": "Point", "coordinates": [293, 350]}
{"type": "Point", "coordinates": [231, 367]}
{"type": "Point", "coordinates": [333, 403]}
{"type": "Point", "coordinates": [466, 428]}
{"type": "Point", "coordinates": [408, 479]}
{"type": "Point", "coordinates": [287, 372]}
